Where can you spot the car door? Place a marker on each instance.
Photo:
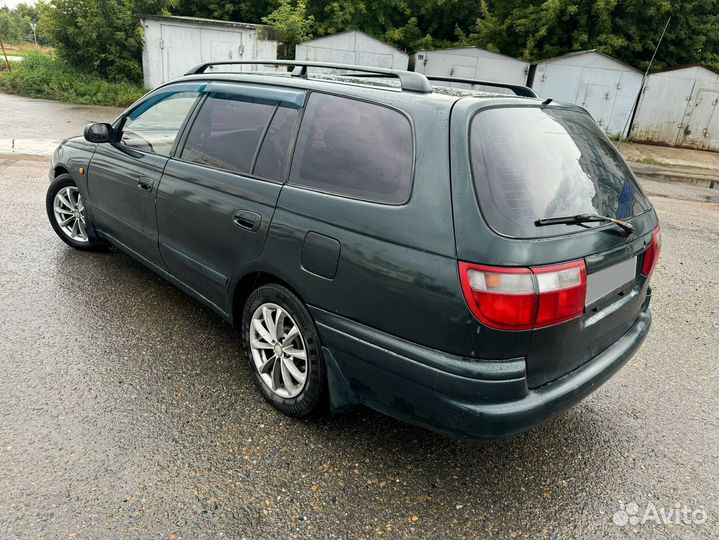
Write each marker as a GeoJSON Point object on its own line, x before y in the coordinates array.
{"type": "Point", "coordinates": [124, 174]}
{"type": "Point", "coordinates": [218, 194]}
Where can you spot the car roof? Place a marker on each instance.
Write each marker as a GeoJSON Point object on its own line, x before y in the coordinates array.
{"type": "Point", "coordinates": [383, 90]}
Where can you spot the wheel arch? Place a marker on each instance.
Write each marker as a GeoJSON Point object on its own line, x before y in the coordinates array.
{"type": "Point", "coordinates": [341, 395]}
{"type": "Point", "coordinates": [248, 283]}
{"type": "Point", "coordinates": [58, 170]}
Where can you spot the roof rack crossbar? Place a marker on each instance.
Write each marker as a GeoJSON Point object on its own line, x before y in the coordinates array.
{"type": "Point", "coordinates": [409, 80]}
{"type": "Point", "coordinates": [518, 89]}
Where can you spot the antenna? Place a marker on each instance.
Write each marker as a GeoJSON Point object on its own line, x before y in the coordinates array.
{"type": "Point", "coordinates": [633, 112]}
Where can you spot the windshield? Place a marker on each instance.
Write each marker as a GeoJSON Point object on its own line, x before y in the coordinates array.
{"type": "Point", "coordinates": [531, 163]}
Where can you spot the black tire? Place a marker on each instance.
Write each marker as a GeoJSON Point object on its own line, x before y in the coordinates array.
{"type": "Point", "coordinates": [312, 395]}
{"type": "Point", "coordinates": [93, 243]}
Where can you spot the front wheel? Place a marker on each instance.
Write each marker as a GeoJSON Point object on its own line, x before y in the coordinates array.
{"type": "Point", "coordinates": [284, 350]}
{"type": "Point", "coordinates": [66, 211]}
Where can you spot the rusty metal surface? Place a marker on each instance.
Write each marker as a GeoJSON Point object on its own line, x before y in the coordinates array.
{"type": "Point", "coordinates": [679, 108]}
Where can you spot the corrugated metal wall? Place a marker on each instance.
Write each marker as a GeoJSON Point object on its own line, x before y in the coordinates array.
{"type": "Point", "coordinates": [353, 47]}
{"type": "Point", "coordinates": [471, 63]}
{"type": "Point", "coordinates": [606, 87]}
{"type": "Point", "coordinates": [172, 46]}
{"type": "Point", "coordinates": [679, 107]}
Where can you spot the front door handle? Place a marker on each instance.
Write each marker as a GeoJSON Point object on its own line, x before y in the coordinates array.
{"type": "Point", "coordinates": [247, 220]}
{"type": "Point", "coordinates": [145, 183]}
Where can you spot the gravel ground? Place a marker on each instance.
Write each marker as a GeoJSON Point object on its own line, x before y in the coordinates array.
{"type": "Point", "coordinates": [126, 412]}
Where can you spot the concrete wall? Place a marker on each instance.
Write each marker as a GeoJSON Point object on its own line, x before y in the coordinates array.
{"type": "Point", "coordinates": [679, 107]}
{"type": "Point", "coordinates": [173, 45]}
{"type": "Point", "coordinates": [605, 87]}
{"type": "Point", "coordinates": [353, 47]}
{"type": "Point", "coordinates": [471, 63]}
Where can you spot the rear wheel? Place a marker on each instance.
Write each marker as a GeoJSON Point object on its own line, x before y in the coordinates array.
{"type": "Point", "coordinates": [283, 350]}
{"type": "Point", "coordinates": [66, 211]}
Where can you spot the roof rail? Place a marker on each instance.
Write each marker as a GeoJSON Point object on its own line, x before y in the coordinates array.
{"type": "Point", "coordinates": [409, 80]}
{"type": "Point", "coordinates": [518, 89]}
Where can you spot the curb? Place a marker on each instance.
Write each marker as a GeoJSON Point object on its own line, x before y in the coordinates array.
{"type": "Point", "coordinates": [649, 172]}
{"type": "Point", "coordinates": [32, 147]}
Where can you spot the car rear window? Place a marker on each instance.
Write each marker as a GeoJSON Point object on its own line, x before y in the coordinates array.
{"type": "Point", "coordinates": [531, 163]}
{"type": "Point", "coordinates": [353, 148]}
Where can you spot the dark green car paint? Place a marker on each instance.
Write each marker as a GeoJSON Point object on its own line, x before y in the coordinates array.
{"type": "Point", "coordinates": [381, 281]}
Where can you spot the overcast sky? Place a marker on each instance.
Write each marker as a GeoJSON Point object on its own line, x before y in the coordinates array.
{"type": "Point", "coordinates": [12, 3]}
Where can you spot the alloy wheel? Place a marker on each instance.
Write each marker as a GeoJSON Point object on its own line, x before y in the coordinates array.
{"type": "Point", "coordinates": [70, 214]}
{"type": "Point", "coordinates": [278, 350]}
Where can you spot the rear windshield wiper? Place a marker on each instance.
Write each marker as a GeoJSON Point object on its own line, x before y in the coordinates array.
{"type": "Point", "coordinates": [585, 218]}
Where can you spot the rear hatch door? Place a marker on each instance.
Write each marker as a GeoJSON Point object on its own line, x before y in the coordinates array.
{"type": "Point", "coordinates": [527, 161]}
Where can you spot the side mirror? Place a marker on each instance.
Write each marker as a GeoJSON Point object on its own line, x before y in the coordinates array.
{"type": "Point", "coordinates": [98, 133]}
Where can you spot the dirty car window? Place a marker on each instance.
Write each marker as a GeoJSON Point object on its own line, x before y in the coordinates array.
{"type": "Point", "coordinates": [354, 148]}
{"type": "Point", "coordinates": [531, 163]}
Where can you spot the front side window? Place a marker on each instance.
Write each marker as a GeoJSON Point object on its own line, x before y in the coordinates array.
{"type": "Point", "coordinates": [353, 148]}
{"type": "Point", "coordinates": [153, 126]}
{"type": "Point", "coordinates": [227, 131]}
{"type": "Point", "coordinates": [530, 163]}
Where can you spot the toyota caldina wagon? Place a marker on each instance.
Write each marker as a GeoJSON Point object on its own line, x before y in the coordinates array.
{"type": "Point", "coordinates": [469, 261]}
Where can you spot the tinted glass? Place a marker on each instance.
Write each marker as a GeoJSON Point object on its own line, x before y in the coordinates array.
{"type": "Point", "coordinates": [227, 131]}
{"type": "Point", "coordinates": [153, 126]}
{"type": "Point", "coordinates": [274, 154]}
{"type": "Point", "coordinates": [531, 163]}
{"type": "Point", "coordinates": [354, 148]}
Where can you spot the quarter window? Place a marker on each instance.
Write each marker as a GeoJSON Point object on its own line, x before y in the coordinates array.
{"type": "Point", "coordinates": [227, 131]}
{"type": "Point", "coordinates": [153, 126]}
{"type": "Point", "coordinates": [274, 154]}
{"type": "Point", "coordinates": [354, 148]}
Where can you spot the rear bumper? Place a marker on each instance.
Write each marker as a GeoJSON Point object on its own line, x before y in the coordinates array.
{"type": "Point", "coordinates": [465, 398]}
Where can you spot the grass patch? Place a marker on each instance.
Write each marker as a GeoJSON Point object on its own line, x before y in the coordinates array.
{"type": "Point", "coordinates": [23, 49]}
{"type": "Point", "coordinates": [47, 76]}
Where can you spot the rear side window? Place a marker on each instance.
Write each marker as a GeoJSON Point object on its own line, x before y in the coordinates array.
{"type": "Point", "coordinates": [352, 148]}
{"type": "Point", "coordinates": [274, 154]}
{"type": "Point", "coordinates": [227, 131]}
{"type": "Point", "coordinates": [532, 163]}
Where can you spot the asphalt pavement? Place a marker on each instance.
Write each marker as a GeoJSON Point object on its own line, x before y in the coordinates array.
{"type": "Point", "coordinates": [127, 410]}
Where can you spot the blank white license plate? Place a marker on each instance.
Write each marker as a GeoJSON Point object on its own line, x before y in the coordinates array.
{"type": "Point", "coordinates": [600, 284]}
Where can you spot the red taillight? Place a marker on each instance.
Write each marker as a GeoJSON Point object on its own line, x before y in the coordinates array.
{"type": "Point", "coordinates": [524, 298]}
{"type": "Point", "coordinates": [651, 255]}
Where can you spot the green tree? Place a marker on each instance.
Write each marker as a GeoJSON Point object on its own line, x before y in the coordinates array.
{"type": "Point", "coordinates": [100, 36]}
{"type": "Point", "coordinates": [628, 30]}
{"type": "Point", "coordinates": [246, 10]}
{"type": "Point", "coordinates": [292, 23]}
{"type": "Point", "coordinates": [16, 24]}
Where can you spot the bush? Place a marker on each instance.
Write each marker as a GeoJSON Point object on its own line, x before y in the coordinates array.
{"type": "Point", "coordinates": [49, 77]}
{"type": "Point", "coordinates": [103, 37]}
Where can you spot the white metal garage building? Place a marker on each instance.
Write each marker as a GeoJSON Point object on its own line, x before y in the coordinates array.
{"type": "Point", "coordinates": [470, 63]}
{"type": "Point", "coordinates": [352, 47]}
{"type": "Point", "coordinates": [679, 107]}
{"type": "Point", "coordinates": [172, 45]}
{"type": "Point", "coordinates": [603, 85]}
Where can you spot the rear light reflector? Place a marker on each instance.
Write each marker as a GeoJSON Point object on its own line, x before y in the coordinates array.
{"type": "Point", "coordinates": [651, 255]}
{"type": "Point", "coordinates": [524, 298]}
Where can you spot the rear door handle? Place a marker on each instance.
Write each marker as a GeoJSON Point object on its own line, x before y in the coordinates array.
{"type": "Point", "coordinates": [145, 183]}
{"type": "Point", "coordinates": [247, 220]}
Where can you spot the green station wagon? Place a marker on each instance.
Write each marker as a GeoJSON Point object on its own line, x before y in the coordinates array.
{"type": "Point", "coordinates": [473, 262]}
